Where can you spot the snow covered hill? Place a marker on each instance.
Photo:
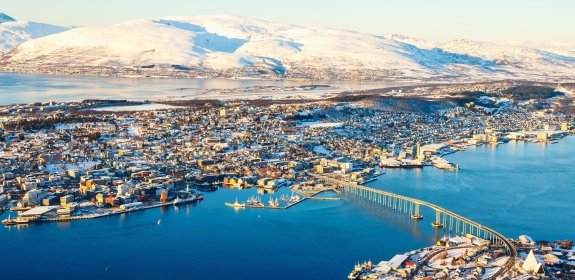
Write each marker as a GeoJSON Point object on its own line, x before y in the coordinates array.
{"type": "Point", "coordinates": [14, 33]}
{"type": "Point", "coordinates": [5, 18]}
{"type": "Point", "coordinates": [233, 46]}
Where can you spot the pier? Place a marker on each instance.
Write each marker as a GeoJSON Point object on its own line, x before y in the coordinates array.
{"type": "Point", "coordinates": [450, 221]}
{"type": "Point", "coordinates": [305, 196]}
{"type": "Point", "coordinates": [101, 215]}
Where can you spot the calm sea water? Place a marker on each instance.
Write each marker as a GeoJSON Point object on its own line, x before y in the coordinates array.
{"type": "Point", "coordinates": [314, 240]}
{"type": "Point", "coordinates": [514, 188]}
{"type": "Point", "coordinates": [25, 88]}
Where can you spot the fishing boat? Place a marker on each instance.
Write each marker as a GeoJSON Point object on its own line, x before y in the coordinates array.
{"type": "Point", "coordinates": [19, 208]}
{"type": "Point", "coordinates": [18, 221]}
{"type": "Point", "coordinates": [236, 204]}
{"type": "Point", "coordinates": [273, 203]}
{"type": "Point", "coordinates": [294, 198]}
{"type": "Point", "coordinates": [356, 273]}
{"type": "Point", "coordinates": [179, 201]}
{"type": "Point", "coordinates": [254, 201]}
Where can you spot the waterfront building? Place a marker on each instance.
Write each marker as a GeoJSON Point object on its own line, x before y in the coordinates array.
{"type": "Point", "coordinates": [531, 265]}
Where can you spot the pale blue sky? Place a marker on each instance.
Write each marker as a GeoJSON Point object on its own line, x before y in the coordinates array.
{"type": "Point", "coordinates": [486, 20]}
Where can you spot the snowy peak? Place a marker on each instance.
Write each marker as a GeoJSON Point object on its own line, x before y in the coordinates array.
{"type": "Point", "coordinates": [13, 33]}
{"type": "Point", "coordinates": [5, 18]}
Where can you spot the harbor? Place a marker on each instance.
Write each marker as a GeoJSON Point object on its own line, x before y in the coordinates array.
{"type": "Point", "coordinates": [60, 169]}
{"type": "Point", "coordinates": [378, 229]}
{"type": "Point", "coordinates": [300, 193]}
{"type": "Point", "coordinates": [39, 215]}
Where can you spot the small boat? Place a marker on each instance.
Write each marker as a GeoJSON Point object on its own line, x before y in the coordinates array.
{"type": "Point", "coordinates": [235, 204]}
{"type": "Point", "coordinates": [273, 203]}
{"type": "Point", "coordinates": [18, 209]}
{"type": "Point", "coordinates": [294, 198]}
{"type": "Point", "coordinates": [159, 221]}
{"type": "Point", "coordinates": [178, 201]}
{"type": "Point", "coordinates": [18, 221]}
{"type": "Point", "coordinates": [356, 273]}
{"type": "Point", "coordinates": [254, 202]}
{"type": "Point", "coordinates": [9, 221]}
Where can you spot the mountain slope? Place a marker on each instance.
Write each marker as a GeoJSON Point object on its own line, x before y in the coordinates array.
{"type": "Point", "coordinates": [234, 46]}
{"type": "Point", "coordinates": [5, 18]}
{"type": "Point", "coordinates": [14, 33]}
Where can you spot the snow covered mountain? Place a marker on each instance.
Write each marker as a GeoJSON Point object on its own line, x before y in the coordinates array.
{"type": "Point", "coordinates": [14, 33]}
{"type": "Point", "coordinates": [235, 46]}
{"type": "Point", "coordinates": [5, 18]}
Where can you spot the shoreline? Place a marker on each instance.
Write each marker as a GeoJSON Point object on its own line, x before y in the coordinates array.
{"type": "Point", "coordinates": [96, 216]}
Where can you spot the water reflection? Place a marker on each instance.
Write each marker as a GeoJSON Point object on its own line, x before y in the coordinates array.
{"type": "Point", "coordinates": [25, 88]}
{"type": "Point", "coordinates": [63, 225]}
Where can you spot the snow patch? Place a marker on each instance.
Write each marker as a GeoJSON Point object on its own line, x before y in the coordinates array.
{"type": "Point", "coordinates": [144, 107]}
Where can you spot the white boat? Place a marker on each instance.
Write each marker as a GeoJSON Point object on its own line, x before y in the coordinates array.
{"type": "Point", "coordinates": [254, 201]}
{"type": "Point", "coordinates": [390, 163]}
{"type": "Point", "coordinates": [294, 198]}
{"type": "Point", "coordinates": [179, 201]}
{"type": "Point", "coordinates": [273, 203]}
{"type": "Point", "coordinates": [236, 204]}
{"type": "Point", "coordinates": [18, 221]}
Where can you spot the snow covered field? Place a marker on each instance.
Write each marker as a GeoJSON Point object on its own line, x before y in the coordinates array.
{"type": "Point", "coordinates": [320, 124]}
{"type": "Point", "coordinates": [58, 168]}
{"type": "Point", "coordinates": [143, 107]}
{"type": "Point", "coordinates": [240, 94]}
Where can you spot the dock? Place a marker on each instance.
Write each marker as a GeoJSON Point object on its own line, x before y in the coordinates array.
{"type": "Point", "coordinates": [100, 215]}
{"type": "Point", "coordinates": [306, 196]}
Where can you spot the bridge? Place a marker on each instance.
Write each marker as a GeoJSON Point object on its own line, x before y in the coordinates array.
{"type": "Point", "coordinates": [444, 218]}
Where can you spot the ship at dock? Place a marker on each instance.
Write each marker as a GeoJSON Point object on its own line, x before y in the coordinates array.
{"type": "Point", "coordinates": [273, 203]}
{"type": "Point", "coordinates": [443, 164]}
{"type": "Point", "coordinates": [18, 221]}
{"type": "Point", "coordinates": [255, 202]}
{"type": "Point", "coordinates": [236, 204]}
{"type": "Point", "coordinates": [181, 201]}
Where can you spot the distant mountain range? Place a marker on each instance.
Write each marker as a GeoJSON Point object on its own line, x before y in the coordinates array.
{"type": "Point", "coordinates": [13, 32]}
{"type": "Point", "coordinates": [230, 46]}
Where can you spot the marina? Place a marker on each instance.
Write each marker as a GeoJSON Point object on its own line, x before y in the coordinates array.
{"type": "Point", "coordinates": [287, 201]}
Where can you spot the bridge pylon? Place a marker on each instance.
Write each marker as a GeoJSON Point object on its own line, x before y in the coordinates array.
{"type": "Point", "coordinates": [416, 215]}
{"type": "Point", "coordinates": [437, 223]}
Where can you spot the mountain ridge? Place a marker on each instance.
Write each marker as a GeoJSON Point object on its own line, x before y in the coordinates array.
{"type": "Point", "coordinates": [6, 18]}
{"type": "Point", "coordinates": [232, 46]}
{"type": "Point", "coordinates": [13, 32]}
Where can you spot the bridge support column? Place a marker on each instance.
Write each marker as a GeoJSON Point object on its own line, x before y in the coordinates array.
{"type": "Point", "coordinates": [437, 223]}
{"type": "Point", "coordinates": [416, 216]}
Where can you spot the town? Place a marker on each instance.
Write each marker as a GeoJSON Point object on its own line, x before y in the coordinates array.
{"type": "Point", "coordinates": [62, 160]}
{"type": "Point", "coordinates": [471, 257]}
{"type": "Point", "coordinates": [84, 160]}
